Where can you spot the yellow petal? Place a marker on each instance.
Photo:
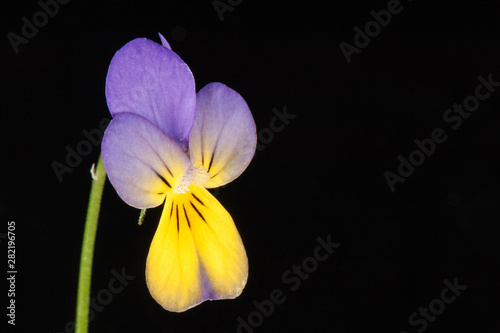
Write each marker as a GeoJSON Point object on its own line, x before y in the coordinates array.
{"type": "Point", "coordinates": [196, 254]}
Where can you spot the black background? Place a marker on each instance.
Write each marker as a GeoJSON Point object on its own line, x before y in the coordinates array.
{"type": "Point", "coordinates": [323, 174]}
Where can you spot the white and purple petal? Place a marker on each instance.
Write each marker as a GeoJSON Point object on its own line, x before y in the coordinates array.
{"type": "Point", "coordinates": [142, 163]}
{"type": "Point", "coordinates": [150, 80]}
{"type": "Point", "coordinates": [223, 137]}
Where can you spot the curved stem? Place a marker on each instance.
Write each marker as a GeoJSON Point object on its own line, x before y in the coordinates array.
{"type": "Point", "coordinates": [84, 279]}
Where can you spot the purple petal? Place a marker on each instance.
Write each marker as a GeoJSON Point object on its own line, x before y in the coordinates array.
{"type": "Point", "coordinates": [223, 137]}
{"type": "Point", "coordinates": [151, 81]}
{"type": "Point", "coordinates": [142, 163]}
{"type": "Point", "coordinates": [164, 41]}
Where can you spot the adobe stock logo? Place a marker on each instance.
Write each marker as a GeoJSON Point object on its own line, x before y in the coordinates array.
{"type": "Point", "coordinates": [29, 29]}
{"type": "Point", "coordinates": [265, 135]}
{"type": "Point", "coordinates": [372, 29]}
{"type": "Point", "coordinates": [104, 296]}
{"type": "Point", "coordinates": [277, 124]}
{"type": "Point", "coordinates": [74, 157]}
{"type": "Point", "coordinates": [454, 117]}
{"type": "Point", "coordinates": [421, 319]}
{"type": "Point", "coordinates": [221, 7]}
{"type": "Point", "coordinates": [293, 278]}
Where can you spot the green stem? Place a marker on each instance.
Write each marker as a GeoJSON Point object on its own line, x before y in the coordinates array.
{"type": "Point", "coordinates": [83, 297]}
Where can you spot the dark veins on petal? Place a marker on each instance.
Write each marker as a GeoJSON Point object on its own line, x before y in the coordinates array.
{"type": "Point", "coordinates": [198, 212]}
{"type": "Point", "coordinates": [194, 196]}
{"type": "Point", "coordinates": [162, 179]}
{"type": "Point", "coordinates": [185, 214]}
{"type": "Point", "coordinates": [211, 160]}
{"type": "Point", "coordinates": [177, 215]}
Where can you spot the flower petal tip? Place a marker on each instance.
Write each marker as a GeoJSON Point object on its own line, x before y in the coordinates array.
{"type": "Point", "coordinates": [151, 81]}
{"type": "Point", "coordinates": [164, 42]}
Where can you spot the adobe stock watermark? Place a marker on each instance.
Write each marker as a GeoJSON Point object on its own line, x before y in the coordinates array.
{"type": "Point", "coordinates": [420, 320]}
{"type": "Point", "coordinates": [74, 156]}
{"type": "Point", "coordinates": [292, 278]}
{"type": "Point", "coordinates": [453, 117]}
{"type": "Point", "coordinates": [372, 29]}
{"type": "Point", "coordinates": [221, 7]}
{"type": "Point", "coordinates": [276, 124]}
{"type": "Point", "coordinates": [29, 29]}
{"type": "Point", "coordinates": [266, 135]}
{"type": "Point", "coordinates": [104, 296]}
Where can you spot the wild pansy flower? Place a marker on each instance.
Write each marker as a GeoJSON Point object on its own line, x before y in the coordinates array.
{"type": "Point", "coordinates": [168, 144]}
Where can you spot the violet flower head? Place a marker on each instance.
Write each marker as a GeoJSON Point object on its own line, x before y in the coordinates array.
{"type": "Point", "coordinates": [168, 144]}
